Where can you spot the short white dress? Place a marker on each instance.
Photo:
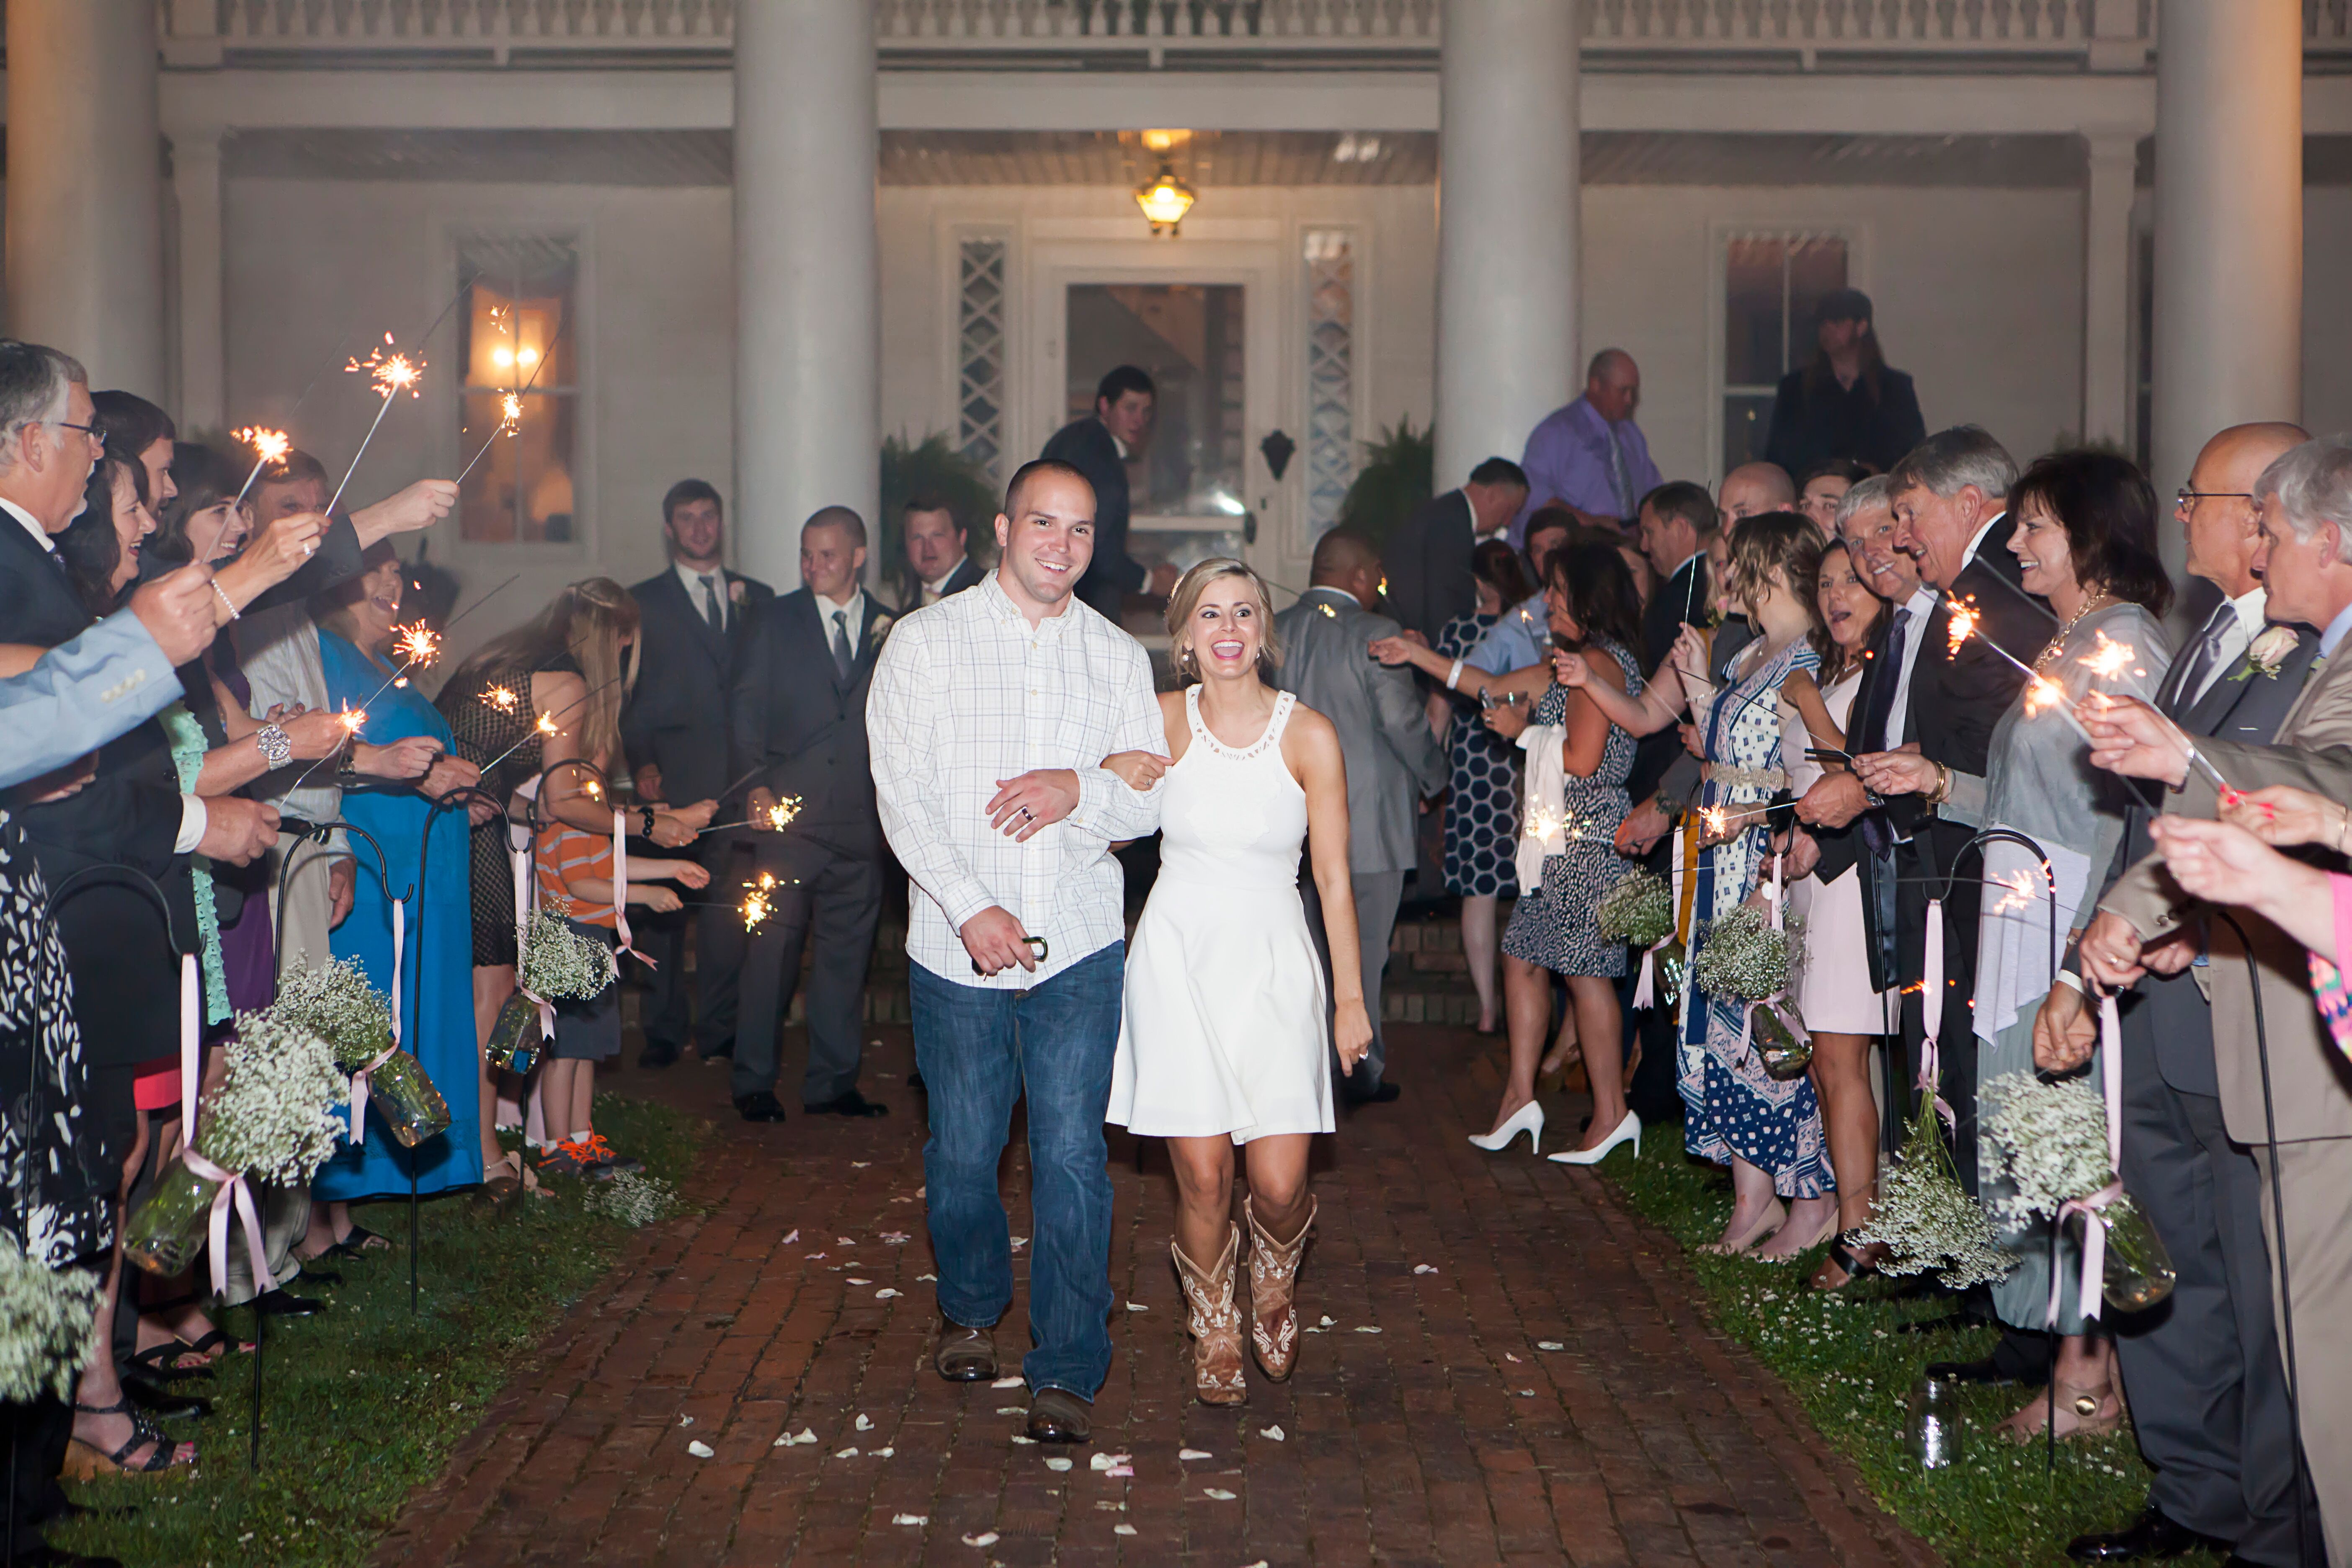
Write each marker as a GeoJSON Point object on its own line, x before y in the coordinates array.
{"type": "Point", "coordinates": [1832, 991]}
{"type": "Point", "coordinates": [1225, 1029]}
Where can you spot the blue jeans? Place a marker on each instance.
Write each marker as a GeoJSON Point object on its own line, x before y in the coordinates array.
{"type": "Point", "coordinates": [979, 1051]}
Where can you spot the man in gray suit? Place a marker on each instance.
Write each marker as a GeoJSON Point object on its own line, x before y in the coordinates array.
{"type": "Point", "coordinates": [2203, 1371]}
{"type": "Point", "coordinates": [2285, 1090]}
{"type": "Point", "coordinates": [1392, 757]}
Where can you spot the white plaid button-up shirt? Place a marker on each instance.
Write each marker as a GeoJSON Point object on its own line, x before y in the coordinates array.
{"type": "Point", "coordinates": [967, 693]}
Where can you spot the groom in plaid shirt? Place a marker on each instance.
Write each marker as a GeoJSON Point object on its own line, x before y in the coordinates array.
{"type": "Point", "coordinates": [991, 714]}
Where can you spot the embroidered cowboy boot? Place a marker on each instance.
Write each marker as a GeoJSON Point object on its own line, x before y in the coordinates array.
{"type": "Point", "coordinates": [1274, 1289]}
{"type": "Point", "coordinates": [1215, 1323]}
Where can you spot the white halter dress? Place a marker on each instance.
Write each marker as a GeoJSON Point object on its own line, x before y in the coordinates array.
{"type": "Point", "coordinates": [1225, 1030]}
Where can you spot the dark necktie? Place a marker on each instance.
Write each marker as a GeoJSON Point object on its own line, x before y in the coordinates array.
{"type": "Point", "coordinates": [711, 610]}
{"type": "Point", "coordinates": [2191, 673]}
{"type": "Point", "coordinates": [842, 658]}
{"type": "Point", "coordinates": [1621, 483]}
{"type": "Point", "coordinates": [1875, 736]}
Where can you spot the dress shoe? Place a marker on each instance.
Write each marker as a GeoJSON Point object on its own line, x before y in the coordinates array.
{"type": "Point", "coordinates": [724, 1051]}
{"type": "Point", "coordinates": [964, 1354]}
{"type": "Point", "coordinates": [760, 1106]}
{"type": "Point", "coordinates": [1354, 1092]}
{"type": "Point", "coordinates": [2152, 1537]}
{"type": "Point", "coordinates": [915, 1081]}
{"type": "Point", "coordinates": [1057, 1416]}
{"type": "Point", "coordinates": [163, 1403]}
{"type": "Point", "coordinates": [279, 1304]}
{"type": "Point", "coordinates": [847, 1103]}
{"type": "Point", "coordinates": [658, 1056]}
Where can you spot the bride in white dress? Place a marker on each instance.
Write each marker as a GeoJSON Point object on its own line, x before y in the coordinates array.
{"type": "Point", "coordinates": [1223, 1042]}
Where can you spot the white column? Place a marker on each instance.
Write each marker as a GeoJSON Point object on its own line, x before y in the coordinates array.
{"type": "Point", "coordinates": [196, 180]}
{"type": "Point", "coordinates": [2229, 225]}
{"type": "Point", "coordinates": [2112, 165]}
{"type": "Point", "coordinates": [85, 220]}
{"type": "Point", "coordinates": [807, 309]}
{"type": "Point", "coordinates": [1506, 226]}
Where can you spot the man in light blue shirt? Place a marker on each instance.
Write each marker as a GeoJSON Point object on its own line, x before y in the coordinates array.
{"type": "Point", "coordinates": [1523, 636]}
{"type": "Point", "coordinates": [1590, 456]}
{"type": "Point", "coordinates": [106, 682]}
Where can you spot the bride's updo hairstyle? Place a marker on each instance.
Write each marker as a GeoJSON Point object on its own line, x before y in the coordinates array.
{"type": "Point", "coordinates": [1186, 598]}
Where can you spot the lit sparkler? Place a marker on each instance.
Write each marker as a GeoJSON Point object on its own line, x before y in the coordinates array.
{"type": "Point", "coordinates": [539, 731]}
{"type": "Point", "coordinates": [775, 819]}
{"type": "Point", "coordinates": [419, 644]}
{"type": "Point", "coordinates": [392, 375]}
{"type": "Point", "coordinates": [757, 903]}
{"type": "Point", "coordinates": [500, 698]}
{"type": "Point", "coordinates": [1716, 820]}
{"type": "Point", "coordinates": [351, 718]}
{"type": "Point", "coordinates": [510, 424]}
{"type": "Point", "coordinates": [2108, 657]}
{"type": "Point", "coordinates": [2042, 692]}
{"type": "Point", "coordinates": [2020, 890]}
{"type": "Point", "coordinates": [268, 447]}
{"type": "Point", "coordinates": [1961, 626]}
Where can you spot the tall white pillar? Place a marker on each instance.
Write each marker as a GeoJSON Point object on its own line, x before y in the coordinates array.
{"type": "Point", "coordinates": [197, 180]}
{"type": "Point", "coordinates": [2113, 167]}
{"type": "Point", "coordinates": [1506, 226]}
{"type": "Point", "coordinates": [85, 204]}
{"type": "Point", "coordinates": [2229, 225]}
{"type": "Point", "coordinates": [807, 291]}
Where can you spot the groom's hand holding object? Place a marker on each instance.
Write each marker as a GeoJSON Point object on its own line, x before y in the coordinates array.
{"type": "Point", "coordinates": [996, 941]}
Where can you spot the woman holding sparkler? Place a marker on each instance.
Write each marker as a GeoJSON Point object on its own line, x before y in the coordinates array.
{"type": "Point", "coordinates": [2085, 535]}
{"type": "Point", "coordinates": [1769, 1131]}
{"type": "Point", "coordinates": [360, 649]}
{"type": "Point", "coordinates": [1596, 620]}
{"type": "Point", "coordinates": [547, 693]}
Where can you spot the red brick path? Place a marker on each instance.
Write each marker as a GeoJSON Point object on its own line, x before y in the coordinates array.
{"type": "Point", "coordinates": [1446, 1436]}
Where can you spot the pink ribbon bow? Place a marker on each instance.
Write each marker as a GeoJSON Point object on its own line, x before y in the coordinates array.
{"type": "Point", "coordinates": [1931, 1013]}
{"type": "Point", "coordinates": [525, 900]}
{"type": "Point", "coordinates": [232, 1190]}
{"type": "Point", "coordinates": [2095, 1226]}
{"type": "Point", "coordinates": [621, 887]}
{"type": "Point", "coordinates": [192, 1014]}
{"type": "Point", "coordinates": [360, 1079]}
{"type": "Point", "coordinates": [1645, 987]}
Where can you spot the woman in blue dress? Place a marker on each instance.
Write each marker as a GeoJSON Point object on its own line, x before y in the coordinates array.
{"type": "Point", "coordinates": [1767, 1129]}
{"type": "Point", "coordinates": [1481, 801]}
{"type": "Point", "coordinates": [355, 624]}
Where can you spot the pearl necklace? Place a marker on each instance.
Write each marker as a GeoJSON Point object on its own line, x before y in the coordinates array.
{"type": "Point", "coordinates": [2058, 644]}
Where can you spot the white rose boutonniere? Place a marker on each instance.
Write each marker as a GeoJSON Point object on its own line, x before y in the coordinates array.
{"type": "Point", "coordinates": [735, 594]}
{"type": "Point", "coordinates": [2267, 654]}
{"type": "Point", "coordinates": [882, 625]}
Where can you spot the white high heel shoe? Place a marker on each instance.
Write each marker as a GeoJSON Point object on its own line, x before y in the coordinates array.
{"type": "Point", "coordinates": [1627, 1131]}
{"type": "Point", "coordinates": [1528, 1119]}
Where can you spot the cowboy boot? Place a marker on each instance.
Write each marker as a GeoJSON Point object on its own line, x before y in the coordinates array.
{"type": "Point", "coordinates": [1274, 1288]}
{"type": "Point", "coordinates": [1215, 1323]}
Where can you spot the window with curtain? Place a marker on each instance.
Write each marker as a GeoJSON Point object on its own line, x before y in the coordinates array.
{"type": "Point", "coordinates": [516, 340]}
{"type": "Point", "coordinates": [1771, 285]}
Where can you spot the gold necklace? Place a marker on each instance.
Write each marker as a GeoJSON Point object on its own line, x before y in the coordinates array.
{"type": "Point", "coordinates": [2058, 644]}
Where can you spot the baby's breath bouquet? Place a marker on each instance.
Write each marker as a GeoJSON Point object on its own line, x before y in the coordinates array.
{"type": "Point", "coordinates": [1639, 909]}
{"type": "Point", "coordinates": [559, 961]}
{"type": "Point", "coordinates": [272, 1118]}
{"type": "Point", "coordinates": [634, 1198]}
{"type": "Point", "coordinates": [1741, 957]}
{"type": "Point", "coordinates": [1925, 1218]}
{"type": "Point", "coordinates": [45, 1319]}
{"type": "Point", "coordinates": [336, 1002]}
{"type": "Point", "coordinates": [2052, 1138]}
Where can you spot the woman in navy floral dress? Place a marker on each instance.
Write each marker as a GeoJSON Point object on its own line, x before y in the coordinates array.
{"type": "Point", "coordinates": [1482, 806]}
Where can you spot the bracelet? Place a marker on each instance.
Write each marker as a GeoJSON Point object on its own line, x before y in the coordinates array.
{"type": "Point", "coordinates": [276, 750]}
{"type": "Point", "coordinates": [1454, 675]}
{"type": "Point", "coordinates": [2071, 980]}
{"type": "Point", "coordinates": [227, 603]}
{"type": "Point", "coordinates": [649, 815]}
{"type": "Point", "coordinates": [1943, 790]}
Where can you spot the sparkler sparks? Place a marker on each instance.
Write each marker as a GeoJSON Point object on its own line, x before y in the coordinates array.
{"type": "Point", "coordinates": [1962, 624]}
{"type": "Point", "coordinates": [757, 903]}
{"type": "Point", "coordinates": [418, 644]}
{"type": "Point", "coordinates": [780, 814]}
{"type": "Point", "coordinates": [392, 375]}
{"type": "Point", "coordinates": [1716, 820]}
{"type": "Point", "coordinates": [500, 698]}
{"type": "Point", "coordinates": [268, 447]}
{"type": "Point", "coordinates": [510, 424]}
{"type": "Point", "coordinates": [2041, 694]}
{"type": "Point", "coordinates": [2020, 891]}
{"type": "Point", "coordinates": [2108, 658]}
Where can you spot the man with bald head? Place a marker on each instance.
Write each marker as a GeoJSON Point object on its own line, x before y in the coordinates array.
{"type": "Point", "coordinates": [797, 718]}
{"type": "Point", "coordinates": [2204, 1376]}
{"type": "Point", "coordinates": [1591, 456]}
{"type": "Point", "coordinates": [1392, 756]}
{"type": "Point", "coordinates": [1753, 488]}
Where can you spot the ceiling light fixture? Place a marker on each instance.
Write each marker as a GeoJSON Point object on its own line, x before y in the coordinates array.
{"type": "Point", "coordinates": [1165, 199]}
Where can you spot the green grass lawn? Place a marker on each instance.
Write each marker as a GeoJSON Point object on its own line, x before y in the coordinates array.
{"type": "Point", "coordinates": [1841, 1354]}
{"type": "Point", "coordinates": [362, 1403]}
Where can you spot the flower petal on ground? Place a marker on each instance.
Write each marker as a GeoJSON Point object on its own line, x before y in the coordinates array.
{"type": "Point", "coordinates": [1422, 1268]}
{"type": "Point", "coordinates": [792, 1238]}
{"type": "Point", "coordinates": [1006, 1383]}
{"type": "Point", "coordinates": [1220, 1493]}
{"type": "Point", "coordinates": [1057, 1463]}
{"type": "Point", "coordinates": [1549, 1345]}
{"type": "Point", "coordinates": [1272, 1432]}
{"type": "Point", "coordinates": [1194, 1454]}
{"type": "Point", "coordinates": [845, 1453]}
{"type": "Point", "coordinates": [910, 1519]}
{"type": "Point", "coordinates": [985, 1538]}
{"type": "Point", "coordinates": [884, 1294]}
{"type": "Point", "coordinates": [701, 1449]}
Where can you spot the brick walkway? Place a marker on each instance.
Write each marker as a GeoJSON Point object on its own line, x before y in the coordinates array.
{"type": "Point", "coordinates": [1430, 1424]}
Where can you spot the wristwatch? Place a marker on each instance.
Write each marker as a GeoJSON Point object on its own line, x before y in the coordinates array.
{"type": "Point", "coordinates": [276, 749]}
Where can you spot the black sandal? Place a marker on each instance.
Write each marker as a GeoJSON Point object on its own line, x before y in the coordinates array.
{"type": "Point", "coordinates": [1846, 1251]}
{"type": "Point", "coordinates": [84, 1459]}
{"type": "Point", "coordinates": [162, 1362]}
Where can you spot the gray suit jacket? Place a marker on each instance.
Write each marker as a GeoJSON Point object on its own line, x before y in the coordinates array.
{"type": "Point", "coordinates": [102, 684]}
{"type": "Point", "coordinates": [2171, 1011]}
{"type": "Point", "coordinates": [2311, 1082]}
{"type": "Point", "coordinates": [1392, 758]}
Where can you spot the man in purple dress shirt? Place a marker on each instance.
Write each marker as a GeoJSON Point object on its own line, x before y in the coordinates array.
{"type": "Point", "coordinates": [1590, 456]}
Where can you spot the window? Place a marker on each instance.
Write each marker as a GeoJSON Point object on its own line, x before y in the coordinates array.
{"type": "Point", "coordinates": [1330, 256]}
{"type": "Point", "coordinates": [1772, 284]}
{"type": "Point", "coordinates": [979, 352]}
{"type": "Point", "coordinates": [514, 336]}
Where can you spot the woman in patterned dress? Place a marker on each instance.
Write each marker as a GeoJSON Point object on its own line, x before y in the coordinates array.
{"type": "Point", "coordinates": [572, 667]}
{"type": "Point", "coordinates": [1482, 803]}
{"type": "Point", "coordinates": [1768, 1131]}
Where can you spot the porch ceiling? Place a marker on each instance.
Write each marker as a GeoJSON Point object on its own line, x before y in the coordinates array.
{"type": "Point", "coordinates": [1209, 159]}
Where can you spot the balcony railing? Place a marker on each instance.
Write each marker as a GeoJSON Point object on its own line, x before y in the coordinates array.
{"type": "Point", "coordinates": [2038, 35]}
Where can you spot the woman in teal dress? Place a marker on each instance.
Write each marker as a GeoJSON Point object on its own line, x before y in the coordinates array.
{"type": "Point", "coordinates": [436, 998]}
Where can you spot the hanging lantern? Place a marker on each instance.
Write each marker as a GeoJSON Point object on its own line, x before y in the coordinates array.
{"type": "Point", "coordinates": [1165, 199]}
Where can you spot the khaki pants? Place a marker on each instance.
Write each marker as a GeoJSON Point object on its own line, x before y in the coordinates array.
{"type": "Point", "coordinates": [2314, 1176]}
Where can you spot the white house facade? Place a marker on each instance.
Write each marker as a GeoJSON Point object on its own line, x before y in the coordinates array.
{"type": "Point", "coordinates": [748, 239]}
